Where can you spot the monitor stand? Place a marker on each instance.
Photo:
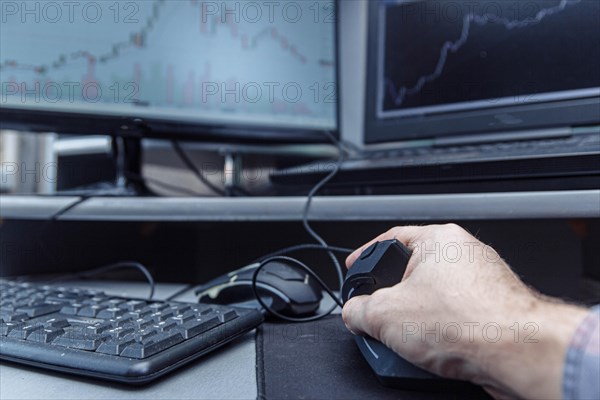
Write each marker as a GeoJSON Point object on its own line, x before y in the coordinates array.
{"type": "Point", "coordinates": [128, 181]}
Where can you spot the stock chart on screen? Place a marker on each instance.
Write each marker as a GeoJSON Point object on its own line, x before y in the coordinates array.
{"type": "Point", "coordinates": [445, 56]}
{"type": "Point", "coordinates": [253, 63]}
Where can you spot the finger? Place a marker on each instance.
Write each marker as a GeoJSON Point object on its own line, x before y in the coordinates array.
{"type": "Point", "coordinates": [354, 315]}
{"type": "Point", "coordinates": [404, 234]}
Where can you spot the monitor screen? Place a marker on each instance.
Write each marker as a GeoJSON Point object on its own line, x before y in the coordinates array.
{"type": "Point", "coordinates": [439, 68]}
{"type": "Point", "coordinates": [230, 67]}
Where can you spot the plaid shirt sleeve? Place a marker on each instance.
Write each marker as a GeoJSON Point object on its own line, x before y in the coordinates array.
{"type": "Point", "coordinates": [581, 375]}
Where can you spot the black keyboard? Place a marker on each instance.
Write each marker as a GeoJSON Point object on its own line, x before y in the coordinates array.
{"type": "Point", "coordinates": [542, 164]}
{"type": "Point", "coordinates": [88, 332]}
{"type": "Point", "coordinates": [575, 144]}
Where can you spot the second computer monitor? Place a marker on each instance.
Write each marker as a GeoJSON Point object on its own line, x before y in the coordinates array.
{"type": "Point", "coordinates": [437, 68]}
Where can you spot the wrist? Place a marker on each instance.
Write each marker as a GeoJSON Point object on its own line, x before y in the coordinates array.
{"type": "Point", "coordinates": [529, 358]}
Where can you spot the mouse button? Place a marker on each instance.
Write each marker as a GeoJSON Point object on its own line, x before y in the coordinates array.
{"type": "Point", "coordinates": [233, 294]}
{"type": "Point", "coordinates": [287, 275]}
{"type": "Point", "coordinates": [283, 271]}
{"type": "Point", "coordinates": [299, 293]}
{"type": "Point", "coordinates": [402, 249]}
{"type": "Point", "coordinates": [358, 285]}
{"type": "Point", "coordinates": [390, 267]}
{"type": "Point", "coordinates": [368, 251]}
{"type": "Point", "coordinates": [362, 280]}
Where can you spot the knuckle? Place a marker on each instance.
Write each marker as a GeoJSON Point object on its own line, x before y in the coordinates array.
{"type": "Point", "coordinates": [453, 228]}
{"type": "Point", "coordinates": [394, 231]}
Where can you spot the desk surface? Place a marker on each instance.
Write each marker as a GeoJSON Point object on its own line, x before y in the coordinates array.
{"type": "Point", "coordinates": [228, 373]}
{"type": "Point", "coordinates": [468, 206]}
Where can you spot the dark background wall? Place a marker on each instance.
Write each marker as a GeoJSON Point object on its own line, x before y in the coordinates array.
{"type": "Point", "coordinates": [551, 255]}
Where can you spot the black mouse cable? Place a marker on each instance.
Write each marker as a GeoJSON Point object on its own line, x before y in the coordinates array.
{"type": "Point", "coordinates": [181, 291]}
{"type": "Point", "coordinates": [52, 219]}
{"type": "Point", "coordinates": [184, 157]}
{"type": "Point", "coordinates": [310, 272]}
{"type": "Point", "coordinates": [96, 271]}
{"type": "Point", "coordinates": [307, 246]}
{"type": "Point", "coordinates": [62, 211]}
{"type": "Point", "coordinates": [313, 192]}
{"type": "Point", "coordinates": [236, 190]}
{"type": "Point", "coordinates": [107, 268]}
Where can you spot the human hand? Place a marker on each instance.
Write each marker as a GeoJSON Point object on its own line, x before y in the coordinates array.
{"type": "Point", "coordinates": [462, 313]}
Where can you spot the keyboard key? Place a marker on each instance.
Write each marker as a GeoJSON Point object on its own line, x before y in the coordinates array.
{"type": "Point", "coordinates": [7, 327]}
{"type": "Point", "coordinates": [94, 301]}
{"type": "Point", "coordinates": [113, 303]}
{"type": "Point", "coordinates": [162, 315]}
{"type": "Point", "coordinates": [99, 328]}
{"type": "Point", "coordinates": [181, 318]}
{"type": "Point", "coordinates": [227, 315]}
{"type": "Point", "coordinates": [145, 334]}
{"type": "Point", "coordinates": [56, 323]}
{"type": "Point", "coordinates": [24, 330]}
{"type": "Point", "coordinates": [45, 335]}
{"type": "Point", "coordinates": [203, 310]}
{"type": "Point", "coordinates": [121, 321]}
{"type": "Point", "coordinates": [38, 309]}
{"type": "Point", "coordinates": [120, 332]}
{"type": "Point", "coordinates": [133, 305]}
{"type": "Point", "coordinates": [71, 309]}
{"type": "Point", "coordinates": [20, 304]}
{"type": "Point", "coordinates": [143, 323]}
{"type": "Point", "coordinates": [64, 298]}
{"type": "Point", "coordinates": [181, 308]}
{"type": "Point", "coordinates": [112, 312]}
{"type": "Point", "coordinates": [77, 339]}
{"type": "Point", "coordinates": [155, 307]}
{"type": "Point", "coordinates": [164, 326]}
{"type": "Point", "coordinates": [139, 313]}
{"type": "Point", "coordinates": [192, 328]}
{"type": "Point", "coordinates": [90, 311]}
{"type": "Point", "coordinates": [154, 345]}
{"type": "Point", "coordinates": [115, 346]}
{"type": "Point", "coordinates": [10, 316]}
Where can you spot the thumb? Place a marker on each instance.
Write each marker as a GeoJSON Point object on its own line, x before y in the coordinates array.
{"type": "Point", "coordinates": [356, 317]}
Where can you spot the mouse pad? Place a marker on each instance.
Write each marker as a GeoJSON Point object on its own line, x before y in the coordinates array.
{"type": "Point", "coordinates": [320, 360]}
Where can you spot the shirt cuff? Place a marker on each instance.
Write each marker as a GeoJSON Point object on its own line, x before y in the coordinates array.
{"type": "Point", "coordinates": [582, 362]}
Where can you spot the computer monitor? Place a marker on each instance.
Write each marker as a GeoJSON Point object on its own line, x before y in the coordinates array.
{"type": "Point", "coordinates": [226, 70]}
{"type": "Point", "coordinates": [438, 68]}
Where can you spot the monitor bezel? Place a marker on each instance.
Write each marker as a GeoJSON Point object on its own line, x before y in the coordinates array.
{"type": "Point", "coordinates": [549, 114]}
{"type": "Point", "coordinates": [132, 125]}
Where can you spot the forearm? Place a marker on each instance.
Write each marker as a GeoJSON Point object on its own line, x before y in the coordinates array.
{"type": "Point", "coordinates": [530, 359]}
